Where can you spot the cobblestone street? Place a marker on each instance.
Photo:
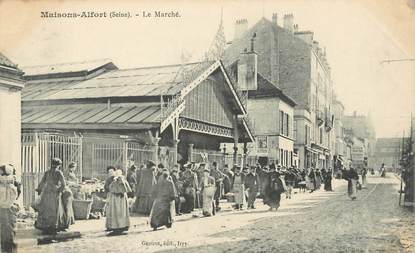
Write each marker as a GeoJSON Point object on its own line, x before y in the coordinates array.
{"type": "Point", "coordinates": [317, 222]}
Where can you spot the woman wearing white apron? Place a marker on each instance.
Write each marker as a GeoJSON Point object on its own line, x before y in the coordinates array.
{"type": "Point", "coordinates": [208, 189]}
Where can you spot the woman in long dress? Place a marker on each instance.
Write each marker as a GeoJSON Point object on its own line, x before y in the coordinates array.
{"type": "Point", "coordinates": [164, 194]}
{"type": "Point", "coordinates": [239, 189]}
{"type": "Point", "coordinates": [117, 211]}
{"type": "Point", "coordinates": [208, 190]}
{"type": "Point", "coordinates": [55, 211]}
{"type": "Point", "coordinates": [352, 178]}
{"type": "Point", "coordinates": [273, 190]}
{"type": "Point", "coordinates": [310, 179]}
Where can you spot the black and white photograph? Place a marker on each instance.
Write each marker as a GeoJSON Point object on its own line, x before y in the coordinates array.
{"type": "Point", "coordinates": [207, 126]}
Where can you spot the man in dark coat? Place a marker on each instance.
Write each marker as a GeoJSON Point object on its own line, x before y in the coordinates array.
{"type": "Point", "coordinates": [252, 186]}
{"type": "Point", "coordinates": [132, 180]}
{"type": "Point", "coordinates": [227, 180]}
{"type": "Point", "coordinates": [178, 185]}
{"type": "Point", "coordinates": [218, 176]}
{"type": "Point", "coordinates": [289, 181]}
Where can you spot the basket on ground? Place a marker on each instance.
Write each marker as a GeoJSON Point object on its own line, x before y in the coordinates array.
{"type": "Point", "coordinates": [82, 209]}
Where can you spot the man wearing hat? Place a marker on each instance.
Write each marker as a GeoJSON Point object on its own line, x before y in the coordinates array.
{"type": "Point", "coordinates": [218, 176]}
{"type": "Point", "coordinates": [190, 186]}
{"type": "Point", "coordinates": [147, 180]}
{"type": "Point", "coordinates": [178, 184]}
{"type": "Point", "coordinates": [252, 186]}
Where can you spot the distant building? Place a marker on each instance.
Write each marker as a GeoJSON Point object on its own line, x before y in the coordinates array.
{"type": "Point", "coordinates": [389, 152]}
{"type": "Point", "coordinates": [11, 84]}
{"type": "Point", "coordinates": [340, 152]}
{"type": "Point", "coordinates": [362, 127]}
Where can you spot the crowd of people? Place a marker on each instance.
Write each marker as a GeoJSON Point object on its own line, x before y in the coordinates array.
{"type": "Point", "coordinates": [163, 193]}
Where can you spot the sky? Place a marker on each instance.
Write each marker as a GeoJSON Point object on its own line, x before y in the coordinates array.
{"type": "Point", "coordinates": [358, 35]}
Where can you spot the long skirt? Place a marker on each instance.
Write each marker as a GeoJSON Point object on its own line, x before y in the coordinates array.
{"type": "Point", "coordinates": [67, 200]}
{"type": "Point", "coordinates": [162, 213]}
{"type": "Point", "coordinates": [7, 232]}
{"type": "Point", "coordinates": [364, 182]}
{"type": "Point", "coordinates": [310, 183]}
{"type": "Point", "coordinates": [117, 212]}
{"type": "Point", "coordinates": [208, 196]}
{"type": "Point", "coordinates": [318, 182]}
{"type": "Point", "coordinates": [239, 192]}
{"type": "Point", "coordinates": [272, 199]}
{"type": "Point", "coordinates": [189, 204]}
{"type": "Point", "coordinates": [143, 204]}
{"type": "Point", "coordinates": [51, 213]}
{"type": "Point", "coordinates": [352, 188]}
{"type": "Point", "coordinates": [252, 192]}
{"type": "Point", "coordinates": [289, 190]}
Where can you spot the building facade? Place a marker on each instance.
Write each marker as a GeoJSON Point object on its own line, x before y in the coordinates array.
{"type": "Point", "coordinates": [388, 151]}
{"type": "Point", "coordinates": [11, 84]}
{"type": "Point", "coordinates": [296, 64]}
{"type": "Point", "coordinates": [362, 127]}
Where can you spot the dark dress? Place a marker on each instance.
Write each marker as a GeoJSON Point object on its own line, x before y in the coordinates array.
{"type": "Point", "coordinates": [144, 201]}
{"type": "Point", "coordinates": [190, 184]}
{"type": "Point", "coordinates": [55, 211]}
{"type": "Point", "coordinates": [273, 190]}
{"type": "Point", "coordinates": [163, 211]}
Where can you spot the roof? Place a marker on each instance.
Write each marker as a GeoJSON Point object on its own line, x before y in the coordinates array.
{"type": "Point", "coordinates": [267, 88]}
{"type": "Point", "coordinates": [69, 67]}
{"type": "Point", "coordinates": [82, 115]}
{"type": "Point", "coordinates": [6, 62]}
{"type": "Point", "coordinates": [135, 82]}
{"type": "Point", "coordinates": [45, 88]}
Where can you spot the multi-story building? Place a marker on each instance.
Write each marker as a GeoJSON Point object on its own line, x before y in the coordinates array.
{"type": "Point", "coordinates": [388, 151]}
{"type": "Point", "coordinates": [362, 127]}
{"type": "Point", "coordinates": [270, 111]}
{"type": "Point", "coordinates": [340, 146]}
{"type": "Point", "coordinates": [294, 62]}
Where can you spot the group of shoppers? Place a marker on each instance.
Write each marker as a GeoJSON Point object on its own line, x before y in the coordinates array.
{"type": "Point", "coordinates": [164, 193]}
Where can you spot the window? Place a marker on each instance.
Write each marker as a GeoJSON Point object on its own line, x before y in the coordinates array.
{"type": "Point", "coordinates": [287, 125]}
{"type": "Point", "coordinates": [281, 122]}
{"type": "Point", "coordinates": [321, 135]}
{"type": "Point", "coordinates": [294, 130]}
{"type": "Point", "coordinates": [307, 134]}
{"type": "Point", "coordinates": [291, 158]}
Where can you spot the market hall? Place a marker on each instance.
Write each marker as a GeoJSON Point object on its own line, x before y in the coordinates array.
{"type": "Point", "coordinates": [96, 115]}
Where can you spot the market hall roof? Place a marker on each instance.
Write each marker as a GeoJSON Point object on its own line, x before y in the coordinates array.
{"type": "Point", "coordinates": [65, 69]}
{"type": "Point", "coordinates": [92, 116]}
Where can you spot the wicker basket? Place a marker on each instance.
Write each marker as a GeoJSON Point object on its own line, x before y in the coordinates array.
{"type": "Point", "coordinates": [82, 209]}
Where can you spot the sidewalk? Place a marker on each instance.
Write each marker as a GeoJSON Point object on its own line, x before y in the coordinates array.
{"type": "Point", "coordinates": [86, 228]}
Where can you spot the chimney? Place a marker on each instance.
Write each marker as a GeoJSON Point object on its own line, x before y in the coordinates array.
{"type": "Point", "coordinates": [248, 68]}
{"type": "Point", "coordinates": [241, 26]}
{"type": "Point", "coordinates": [307, 36]}
{"type": "Point", "coordinates": [275, 18]}
{"type": "Point", "coordinates": [289, 22]}
{"type": "Point", "coordinates": [296, 28]}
